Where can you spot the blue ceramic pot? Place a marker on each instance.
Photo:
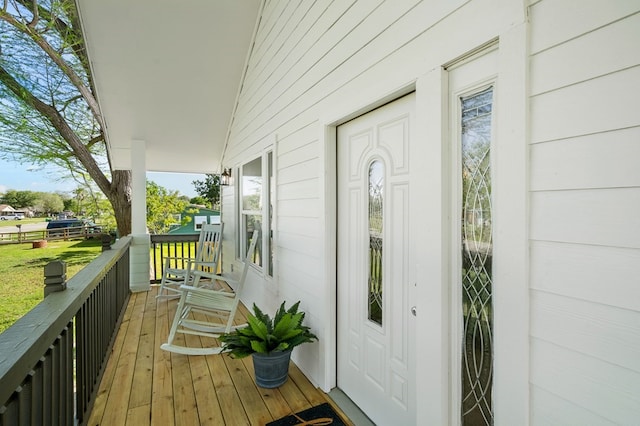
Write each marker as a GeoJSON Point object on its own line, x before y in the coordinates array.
{"type": "Point", "coordinates": [271, 369]}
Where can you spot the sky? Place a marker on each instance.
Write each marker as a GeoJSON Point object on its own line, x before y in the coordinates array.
{"type": "Point", "coordinates": [24, 177]}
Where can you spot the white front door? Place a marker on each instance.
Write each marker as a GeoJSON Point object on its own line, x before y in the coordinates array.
{"type": "Point", "coordinates": [376, 326]}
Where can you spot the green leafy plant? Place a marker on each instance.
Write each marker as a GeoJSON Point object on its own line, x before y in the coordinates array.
{"type": "Point", "coordinates": [264, 335]}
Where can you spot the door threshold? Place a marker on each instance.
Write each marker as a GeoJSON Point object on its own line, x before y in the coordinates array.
{"type": "Point", "coordinates": [349, 408]}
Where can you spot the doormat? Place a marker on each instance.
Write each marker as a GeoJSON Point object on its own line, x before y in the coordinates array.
{"type": "Point", "coordinates": [319, 415]}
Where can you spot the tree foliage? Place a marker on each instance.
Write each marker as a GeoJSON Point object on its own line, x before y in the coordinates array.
{"type": "Point", "coordinates": [200, 201]}
{"type": "Point", "coordinates": [39, 202]}
{"type": "Point", "coordinates": [162, 207]}
{"type": "Point", "coordinates": [49, 203]}
{"type": "Point", "coordinates": [48, 110]}
{"type": "Point", "coordinates": [209, 189]}
{"type": "Point", "coordinates": [19, 199]}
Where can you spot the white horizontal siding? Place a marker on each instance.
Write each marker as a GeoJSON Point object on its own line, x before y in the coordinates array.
{"type": "Point", "coordinates": [262, 101]}
{"type": "Point", "coordinates": [609, 391]}
{"type": "Point", "coordinates": [300, 151]}
{"type": "Point", "coordinates": [585, 238]}
{"type": "Point", "coordinates": [603, 217]}
{"type": "Point", "coordinates": [271, 44]}
{"type": "Point", "coordinates": [310, 207]}
{"type": "Point", "coordinates": [302, 268]}
{"type": "Point", "coordinates": [297, 33]}
{"type": "Point", "coordinates": [309, 169]}
{"type": "Point", "coordinates": [272, 11]}
{"type": "Point", "coordinates": [603, 331]}
{"type": "Point", "coordinates": [304, 154]}
{"type": "Point", "coordinates": [298, 243]}
{"type": "Point", "coordinates": [554, 22]}
{"type": "Point", "coordinates": [303, 226]}
{"type": "Point", "coordinates": [376, 43]}
{"type": "Point", "coordinates": [599, 274]}
{"type": "Point", "coordinates": [301, 81]}
{"type": "Point", "coordinates": [299, 190]}
{"type": "Point", "coordinates": [603, 104]}
{"type": "Point", "coordinates": [553, 410]}
{"type": "Point", "coordinates": [609, 49]}
{"type": "Point", "coordinates": [584, 162]}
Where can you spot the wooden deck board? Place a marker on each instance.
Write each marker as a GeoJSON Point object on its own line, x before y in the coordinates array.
{"type": "Point", "coordinates": [107, 378]}
{"type": "Point", "coordinates": [115, 412]}
{"type": "Point", "coordinates": [162, 386]}
{"type": "Point", "coordinates": [139, 415]}
{"type": "Point", "coordinates": [142, 375]}
{"type": "Point", "coordinates": [144, 385]}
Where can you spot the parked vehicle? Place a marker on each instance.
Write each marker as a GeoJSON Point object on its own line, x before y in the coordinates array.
{"type": "Point", "coordinates": [15, 216]}
{"type": "Point", "coordinates": [73, 228]}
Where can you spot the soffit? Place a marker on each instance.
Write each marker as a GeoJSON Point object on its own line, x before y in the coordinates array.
{"type": "Point", "coordinates": [167, 73]}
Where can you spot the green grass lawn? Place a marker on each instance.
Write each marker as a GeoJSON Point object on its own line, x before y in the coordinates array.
{"type": "Point", "coordinates": [22, 273]}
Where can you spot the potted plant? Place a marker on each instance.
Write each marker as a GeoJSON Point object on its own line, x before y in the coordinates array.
{"type": "Point", "coordinates": [270, 342]}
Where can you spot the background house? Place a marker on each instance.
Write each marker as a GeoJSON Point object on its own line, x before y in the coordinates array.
{"type": "Point", "coordinates": [6, 209]}
{"type": "Point", "coordinates": [198, 216]}
{"type": "Point", "coordinates": [338, 98]}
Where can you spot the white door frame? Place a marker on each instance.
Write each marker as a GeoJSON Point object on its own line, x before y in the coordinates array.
{"type": "Point", "coordinates": [510, 190]}
{"type": "Point", "coordinates": [511, 302]}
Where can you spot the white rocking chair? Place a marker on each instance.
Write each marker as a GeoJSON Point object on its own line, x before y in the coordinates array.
{"type": "Point", "coordinates": [219, 304]}
{"type": "Point", "coordinates": [176, 271]}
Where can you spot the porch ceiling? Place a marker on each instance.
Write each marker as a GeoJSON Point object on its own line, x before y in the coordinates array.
{"type": "Point", "coordinates": [167, 73]}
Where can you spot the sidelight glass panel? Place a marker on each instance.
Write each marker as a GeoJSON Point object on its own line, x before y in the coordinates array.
{"type": "Point", "coordinates": [477, 310]}
{"type": "Point", "coordinates": [252, 185]}
{"type": "Point", "coordinates": [252, 201]}
{"type": "Point", "coordinates": [376, 184]}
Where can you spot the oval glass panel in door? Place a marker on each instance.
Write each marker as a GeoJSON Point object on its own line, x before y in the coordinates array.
{"type": "Point", "coordinates": [477, 309]}
{"type": "Point", "coordinates": [376, 185]}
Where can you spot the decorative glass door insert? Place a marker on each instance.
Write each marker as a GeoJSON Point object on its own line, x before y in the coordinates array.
{"type": "Point", "coordinates": [476, 274]}
{"type": "Point", "coordinates": [376, 184]}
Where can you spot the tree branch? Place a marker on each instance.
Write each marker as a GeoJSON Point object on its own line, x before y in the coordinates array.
{"type": "Point", "coordinates": [36, 16]}
{"type": "Point", "coordinates": [68, 101]}
{"type": "Point", "coordinates": [94, 140]}
{"type": "Point", "coordinates": [61, 63]}
{"type": "Point", "coordinates": [59, 123]}
{"type": "Point", "coordinates": [65, 31]}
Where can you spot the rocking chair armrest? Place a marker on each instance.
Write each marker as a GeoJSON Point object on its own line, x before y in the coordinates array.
{"type": "Point", "coordinates": [227, 280]}
{"type": "Point", "coordinates": [201, 290]}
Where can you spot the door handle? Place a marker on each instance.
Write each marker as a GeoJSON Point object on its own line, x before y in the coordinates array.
{"type": "Point", "coordinates": [414, 310]}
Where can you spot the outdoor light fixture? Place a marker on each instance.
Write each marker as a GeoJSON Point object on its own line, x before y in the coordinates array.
{"type": "Point", "coordinates": [225, 177]}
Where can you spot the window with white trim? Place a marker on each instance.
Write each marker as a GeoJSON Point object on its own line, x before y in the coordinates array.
{"type": "Point", "coordinates": [256, 194]}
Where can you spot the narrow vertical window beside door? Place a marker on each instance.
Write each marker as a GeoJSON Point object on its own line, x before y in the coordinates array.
{"type": "Point", "coordinates": [376, 184]}
{"type": "Point", "coordinates": [252, 202]}
{"type": "Point", "coordinates": [477, 309]}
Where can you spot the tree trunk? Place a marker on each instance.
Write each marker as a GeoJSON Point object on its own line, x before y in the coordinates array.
{"type": "Point", "coordinates": [120, 198]}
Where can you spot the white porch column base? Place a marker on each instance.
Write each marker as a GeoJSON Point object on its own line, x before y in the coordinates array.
{"type": "Point", "coordinates": [139, 258]}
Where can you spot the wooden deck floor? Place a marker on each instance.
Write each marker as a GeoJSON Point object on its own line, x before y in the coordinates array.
{"type": "Point", "coordinates": [144, 385]}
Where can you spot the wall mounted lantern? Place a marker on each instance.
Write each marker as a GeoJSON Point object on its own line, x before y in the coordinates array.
{"type": "Point", "coordinates": [225, 177]}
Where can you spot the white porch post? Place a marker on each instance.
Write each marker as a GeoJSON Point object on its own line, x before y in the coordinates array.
{"type": "Point", "coordinates": [140, 243]}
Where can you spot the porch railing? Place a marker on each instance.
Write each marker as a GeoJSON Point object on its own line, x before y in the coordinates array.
{"type": "Point", "coordinates": [166, 245]}
{"type": "Point", "coordinates": [54, 356]}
